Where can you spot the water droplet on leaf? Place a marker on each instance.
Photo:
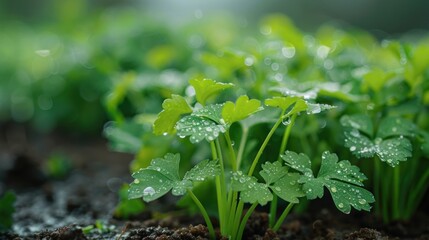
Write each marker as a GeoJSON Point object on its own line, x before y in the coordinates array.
{"type": "Point", "coordinates": [149, 191]}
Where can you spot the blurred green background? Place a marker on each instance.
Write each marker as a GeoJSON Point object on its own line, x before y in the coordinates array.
{"type": "Point", "coordinates": [60, 60]}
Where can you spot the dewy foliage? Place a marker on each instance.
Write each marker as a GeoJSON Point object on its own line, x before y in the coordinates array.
{"type": "Point", "coordinates": [173, 108]}
{"type": "Point", "coordinates": [207, 88]}
{"type": "Point", "coordinates": [205, 123]}
{"type": "Point", "coordinates": [163, 175]}
{"type": "Point", "coordinates": [343, 180]}
{"type": "Point", "coordinates": [389, 143]}
{"type": "Point", "coordinates": [277, 180]}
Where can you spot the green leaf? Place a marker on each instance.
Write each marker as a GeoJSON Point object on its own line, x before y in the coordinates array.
{"type": "Point", "coordinates": [199, 128]}
{"type": "Point", "coordinates": [285, 103]}
{"type": "Point", "coordinates": [394, 150]}
{"type": "Point", "coordinates": [391, 151]}
{"type": "Point", "coordinates": [314, 108]}
{"type": "Point", "coordinates": [396, 126]}
{"type": "Point", "coordinates": [241, 182]}
{"type": "Point", "coordinates": [173, 108]}
{"type": "Point", "coordinates": [180, 187]}
{"type": "Point", "coordinates": [242, 109]}
{"type": "Point", "coordinates": [156, 180]}
{"type": "Point", "coordinates": [212, 112]}
{"type": "Point", "coordinates": [376, 79]}
{"type": "Point", "coordinates": [360, 122]}
{"type": "Point", "coordinates": [288, 188]}
{"type": "Point", "coordinates": [162, 175]}
{"type": "Point", "coordinates": [360, 145]}
{"type": "Point", "coordinates": [203, 170]}
{"type": "Point", "coordinates": [149, 184]}
{"type": "Point", "coordinates": [300, 161]}
{"type": "Point", "coordinates": [250, 190]}
{"type": "Point", "coordinates": [277, 179]}
{"type": "Point", "coordinates": [205, 88]}
{"type": "Point", "coordinates": [272, 172]}
{"type": "Point", "coordinates": [343, 181]}
{"type": "Point", "coordinates": [258, 192]}
{"type": "Point", "coordinates": [310, 93]}
{"type": "Point", "coordinates": [169, 166]}
{"type": "Point", "coordinates": [204, 123]}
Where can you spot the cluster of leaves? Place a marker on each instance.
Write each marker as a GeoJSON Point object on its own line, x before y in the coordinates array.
{"type": "Point", "coordinates": [205, 122]}
{"type": "Point", "coordinates": [384, 81]}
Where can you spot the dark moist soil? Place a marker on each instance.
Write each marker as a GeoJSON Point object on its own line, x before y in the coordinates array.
{"type": "Point", "coordinates": [48, 209]}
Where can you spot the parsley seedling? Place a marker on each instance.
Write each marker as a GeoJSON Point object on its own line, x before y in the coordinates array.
{"type": "Point", "coordinates": [289, 177]}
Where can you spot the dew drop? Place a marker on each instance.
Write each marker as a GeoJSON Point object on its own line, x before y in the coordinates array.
{"type": "Point", "coordinates": [353, 148]}
{"type": "Point", "coordinates": [286, 121]}
{"type": "Point", "coordinates": [275, 66]}
{"type": "Point", "coordinates": [288, 52]}
{"type": "Point", "coordinates": [340, 205]}
{"type": "Point", "coordinates": [362, 201]}
{"type": "Point", "coordinates": [334, 189]}
{"type": "Point", "coordinates": [149, 191]}
{"type": "Point", "coordinates": [249, 61]}
{"type": "Point", "coordinates": [278, 189]}
{"type": "Point", "coordinates": [313, 109]}
{"type": "Point", "coordinates": [136, 181]}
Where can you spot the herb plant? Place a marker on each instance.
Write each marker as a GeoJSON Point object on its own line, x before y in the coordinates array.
{"type": "Point", "coordinates": [289, 176]}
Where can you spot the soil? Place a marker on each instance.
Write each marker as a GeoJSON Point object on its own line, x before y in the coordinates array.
{"type": "Point", "coordinates": [61, 209]}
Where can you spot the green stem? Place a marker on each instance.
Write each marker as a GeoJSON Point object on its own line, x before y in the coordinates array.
{"type": "Point", "coordinates": [417, 193]}
{"type": "Point", "coordinates": [286, 135]}
{"type": "Point", "coordinates": [385, 195]}
{"type": "Point", "coordinates": [237, 217]}
{"type": "Point", "coordinates": [282, 217]}
{"type": "Point", "coordinates": [243, 141]}
{"type": "Point", "coordinates": [376, 184]}
{"type": "Point", "coordinates": [396, 188]}
{"type": "Point", "coordinates": [264, 144]}
{"type": "Point", "coordinates": [273, 211]}
{"type": "Point", "coordinates": [204, 213]}
{"type": "Point", "coordinates": [232, 157]}
{"type": "Point", "coordinates": [219, 196]}
{"type": "Point", "coordinates": [232, 211]}
{"type": "Point", "coordinates": [244, 220]}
